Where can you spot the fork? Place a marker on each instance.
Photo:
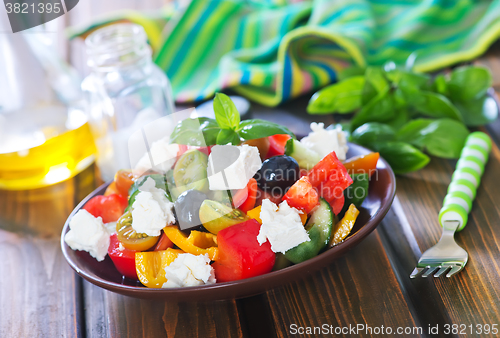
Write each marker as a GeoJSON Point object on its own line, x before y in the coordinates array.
{"type": "Point", "coordinates": [447, 254]}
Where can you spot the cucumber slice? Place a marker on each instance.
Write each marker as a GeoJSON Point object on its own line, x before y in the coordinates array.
{"type": "Point", "coordinates": [305, 157]}
{"type": "Point", "coordinates": [319, 228]}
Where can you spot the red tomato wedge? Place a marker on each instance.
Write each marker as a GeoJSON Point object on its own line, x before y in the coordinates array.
{"type": "Point", "coordinates": [277, 145]}
{"type": "Point", "coordinates": [262, 195]}
{"type": "Point", "coordinates": [163, 243]}
{"type": "Point", "coordinates": [337, 204]}
{"type": "Point", "coordinates": [244, 199]}
{"type": "Point", "coordinates": [110, 207]}
{"type": "Point", "coordinates": [240, 255]}
{"type": "Point", "coordinates": [330, 178]}
{"type": "Point", "coordinates": [302, 195]}
{"type": "Point", "coordinates": [123, 259]}
{"type": "Point", "coordinates": [363, 164]}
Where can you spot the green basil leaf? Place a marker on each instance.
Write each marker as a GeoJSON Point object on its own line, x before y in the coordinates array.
{"type": "Point", "coordinates": [372, 132]}
{"type": "Point", "coordinates": [402, 116]}
{"type": "Point", "coordinates": [350, 72]}
{"type": "Point", "coordinates": [228, 136]}
{"type": "Point", "coordinates": [440, 86]}
{"type": "Point", "coordinates": [411, 132]}
{"type": "Point", "coordinates": [400, 76]}
{"type": "Point", "coordinates": [379, 109]}
{"type": "Point", "coordinates": [435, 105]}
{"type": "Point", "coordinates": [402, 157]}
{"type": "Point", "coordinates": [226, 114]}
{"type": "Point", "coordinates": [478, 111]}
{"type": "Point", "coordinates": [201, 131]}
{"type": "Point", "coordinates": [444, 138]}
{"type": "Point", "coordinates": [342, 97]}
{"type": "Point", "coordinates": [368, 93]}
{"type": "Point", "coordinates": [469, 82]}
{"type": "Point", "coordinates": [376, 76]}
{"type": "Point", "coordinates": [253, 129]}
{"type": "Point", "coordinates": [358, 190]}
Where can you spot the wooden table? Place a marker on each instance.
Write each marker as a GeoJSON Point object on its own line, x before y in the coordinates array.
{"type": "Point", "coordinates": [370, 285]}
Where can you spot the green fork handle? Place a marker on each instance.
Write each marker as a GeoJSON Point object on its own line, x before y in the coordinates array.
{"type": "Point", "coordinates": [466, 179]}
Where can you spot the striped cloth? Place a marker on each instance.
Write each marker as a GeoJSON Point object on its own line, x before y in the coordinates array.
{"type": "Point", "coordinates": [271, 51]}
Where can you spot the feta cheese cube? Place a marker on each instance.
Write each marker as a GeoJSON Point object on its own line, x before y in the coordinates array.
{"type": "Point", "coordinates": [324, 141]}
{"type": "Point", "coordinates": [87, 233]}
{"type": "Point", "coordinates": [162, 154]}
{"type": "Point", "coordinates": [281, 226]}
{"type": "Point", "coordinates": [189, 270]}
{"type": "Point", "coordinates": [238, 165]}
{"type": "Point", "coordinates": [151, 210]}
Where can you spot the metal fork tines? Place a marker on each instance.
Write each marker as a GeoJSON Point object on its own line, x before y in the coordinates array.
{"type": "Point", "coordinates": [444, 255]}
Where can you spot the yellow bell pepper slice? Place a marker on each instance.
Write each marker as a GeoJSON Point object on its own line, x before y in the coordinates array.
{"type": "Point", "coordinates": [344, 226]}
{"type": "Point", "coordinates": [255, 214]}
{"type": "Point", "coordinates": [150, 266]}
{"type": "Point", "coordinates": [197, 243]}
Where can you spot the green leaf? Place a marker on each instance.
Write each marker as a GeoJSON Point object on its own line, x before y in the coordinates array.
{"type": "Point", "coordinates": [342, 97]}
{"type": "Point", "coordinates": [228, 136]}
{"type": "Point", "coordinates": [372, 132]}
{"type": "Point", "coordinates": [253, 129]}
{"type": "Point", "coordinates": [376, 76]}
{"type": "Point", "coordinates": [479, 111]}
{"type": "Point", "coordinates": [350, 72]}
{"type": "Point", "coordinates": [440, 86]}
{"type": "Point", "coordinates": [469, 82]}
{"type": "Point", "coordinates": [444, 138]}
{"type": "Point", "coordinates": [435, 105]}
{"type": "Point", "coordinates": [402, 116]}
{"type": "Point", "coordinates": [411, 132]}
{"type": "Point", "coordinates": [201, 131]}
{"type": "Point", "coordinates": [400, 76]}
{"type": "Point", "coordinates": [379, 109]}
{"type": "Point", "coordinates": [369, 93]}
{"type": "Point", "coordinates": [402, 157]}
{"type": "Point", "coordinates": [358, 190]}
{"type": "Point", "coordinates": [226, 114]}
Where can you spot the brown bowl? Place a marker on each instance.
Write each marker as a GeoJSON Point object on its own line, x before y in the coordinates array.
{"type": "Point", "coordinates": [103, 274]}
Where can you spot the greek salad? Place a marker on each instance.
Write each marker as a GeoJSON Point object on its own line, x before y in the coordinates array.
{"type": "Point", "coordinates": [231, 200]}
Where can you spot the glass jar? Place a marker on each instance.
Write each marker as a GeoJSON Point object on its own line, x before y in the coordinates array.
{"type": "Point", "coordinates": [124, 92]}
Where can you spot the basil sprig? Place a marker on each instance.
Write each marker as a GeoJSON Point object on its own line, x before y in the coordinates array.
{"type": "Point", "coordinates": [401, 113]}
{"type": "Point", "coordinates": [226, 128]}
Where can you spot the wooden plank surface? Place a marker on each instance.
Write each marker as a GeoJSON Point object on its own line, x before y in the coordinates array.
{"type": "Point", "coordinates": [39, 293]}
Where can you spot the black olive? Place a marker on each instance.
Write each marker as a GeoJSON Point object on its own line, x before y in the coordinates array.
{"type": "Point", "coordinates": [187, 209]}
{"type": "Point", "coordinates": [277, 174]}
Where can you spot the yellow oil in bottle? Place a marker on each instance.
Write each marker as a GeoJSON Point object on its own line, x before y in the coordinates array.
{"type": "Point", "coordinates": [58, 158]}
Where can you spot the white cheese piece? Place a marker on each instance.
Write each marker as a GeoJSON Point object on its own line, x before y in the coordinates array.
{"type": "Point", "coordinates": [189, 270]}
{"type": "Point", "coordinates": [238, 171]}
{"type": "Point", "coordinates": [110, 227]}
{"type": "Point", "coordinates": [161, 153]}
{"type": "Point", "coordinates": [87, 233]}
{"type": "Point", "coordinates": [281, 226]}
{"type": "Point", "coordinates": [324, 141]}
{"type": "Point", "coordinates": [151, 210]}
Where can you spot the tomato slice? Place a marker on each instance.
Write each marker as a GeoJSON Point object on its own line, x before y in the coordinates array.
{"type": "Point", "coordinates": [110, 207]}
{"type": "Point", "coordinates": [130, 238]}
{"type": "Point", "coordinates": [302, 195]}
{"type": "Point", "coordinates": [329, 169]}
{"type": "Point", "coordinates": [337, 204]}
{"type": "Point", "coordinates": [262, 195]}
{"type": "Point", "coordinates": [363, 164]}
{"type": "Point", "coordinates": [277, 145]}
{"type": "Point", "coordinates": [124, 180]}
{"type": "Point", "coordinates": [163, 243]}
{"type": "Point", "coordinates": [123, 259]}
{"type": "Point", "coordinates": [244, 199]}
{"type": "Point", "coordinates": [240, 255]}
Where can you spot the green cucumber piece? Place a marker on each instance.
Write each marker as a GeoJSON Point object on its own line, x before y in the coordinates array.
{"type": "Point", "coordinates": [319, 228]}
{"type": "Point", "coordinates": [305, 157]}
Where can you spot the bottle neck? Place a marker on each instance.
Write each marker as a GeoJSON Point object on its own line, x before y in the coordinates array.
{"type": "Point", "coordinates": [118, 46]}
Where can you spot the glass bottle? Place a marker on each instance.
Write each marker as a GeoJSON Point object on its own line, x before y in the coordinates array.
{"type": "Point", "coordinates": [124, 91]}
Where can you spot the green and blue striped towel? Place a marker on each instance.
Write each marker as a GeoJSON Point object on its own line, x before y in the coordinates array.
{"type": "Point", "coordinates": [271, 51]}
